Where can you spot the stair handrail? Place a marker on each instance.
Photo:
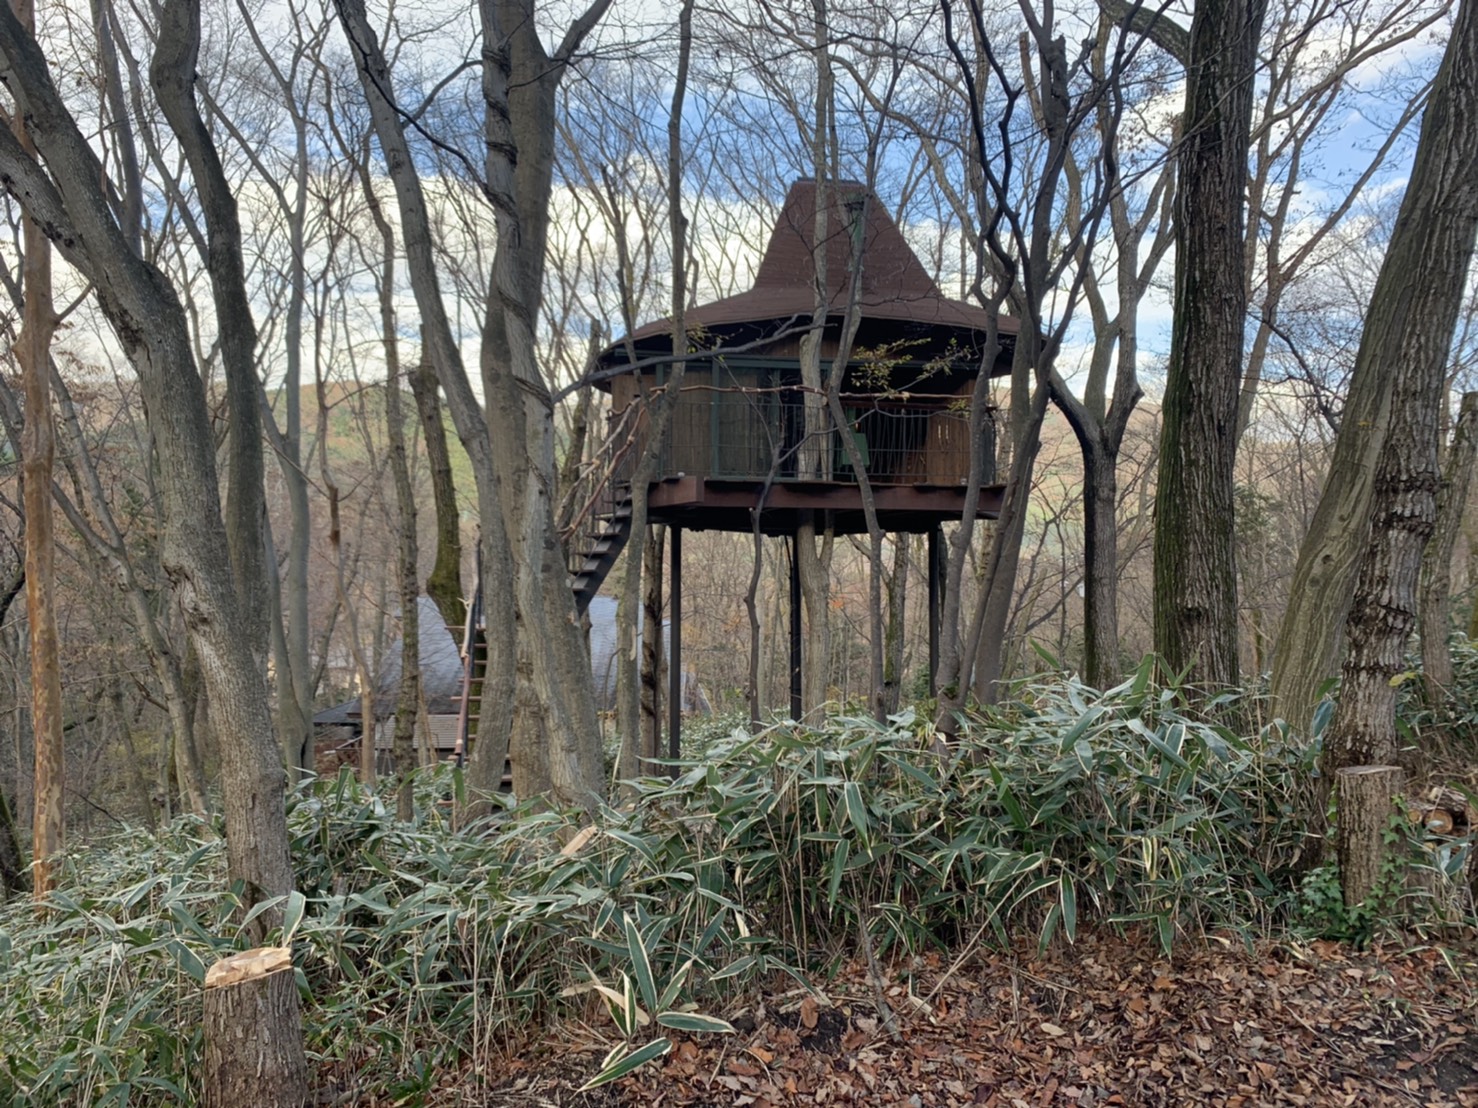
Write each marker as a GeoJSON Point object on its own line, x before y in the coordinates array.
{"type": "Point", "coordinates": [615, 449]}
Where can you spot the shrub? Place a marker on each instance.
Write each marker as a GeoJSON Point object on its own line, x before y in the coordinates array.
{"type": "Point", "coordinates": [424, 945]}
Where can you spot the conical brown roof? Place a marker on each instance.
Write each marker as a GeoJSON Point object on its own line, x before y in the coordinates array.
{"type": "Point", "coordinates": [895, 285]}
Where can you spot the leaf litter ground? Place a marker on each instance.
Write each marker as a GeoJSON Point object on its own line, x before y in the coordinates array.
{"type": "Point", "coordinates": [1108, 1021]}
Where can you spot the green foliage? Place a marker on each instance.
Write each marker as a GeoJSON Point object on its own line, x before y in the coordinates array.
{"type": "Point", "coordinates": [1322, 911]}
{"type": "Point", "coordinates": [1419, 886]}
{"type": "Point", "coordinates": [1456, 714]}
{"type": "Point", "coordinates": [627, 1012]}
{"type": "Point", "coordinates": [419, 945]}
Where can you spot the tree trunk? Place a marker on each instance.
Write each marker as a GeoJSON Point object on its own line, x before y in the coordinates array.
{"type": "Point", "coordinates": [1100, 436]}
{"type": "Point", "coordinates": [409, 699]}
{"type": "Point", "coordinates": [525, 745]}
{"type": "Point", "coordinates": [651, 644]}
{"type": "Point", "coordinates": [630, 724]}
{"type": "Point", "coordinates": [38, 451]}
{"type": "Point", "coordinates": [445, 583]}
{"type": "Point", "coordinates": [852, 318]}
{"type": "Point", "coordinates": [1100, 566]}
{"type": "Point", "coordinates": [1195, 592]}
{"type": "Point", "coordinates": [1436, 581]}
{"type": "Point", "coordinates": [497, 578]}
{"type": "Point", "coordinates": [253, 1037]}
{"type": "Point", "coordinates": [518, 163]}
{"type": "Point", "coordinates": [636, 703]}
{"type": "Point", "coordinates": [1367, 801]}
{"type": "Point", "coordinates": [813, 556]}
{"type": "Point", "coordinates": [406, 552]}
{"type": "Point", "coordinates": [753, 694]}
{"type": "Point", "coordinates": [14, 877]}
{"type": "Point", "coordinates": [146, 315]}
{"type": "Point", "coordinates": [812, 545]}
{"type": "Point", "coordinates": [295, 683]}
{"type": "Point", "coordinates": [1404, 506]}
{"type": "Point", "coordinates": [1383, 608]}
{"type": "Point", "coordinates": [987, 634]}
{"type": "Point", "coordinates": [1407, 476]}
{"type": "Point", "coordinates": [895, 632]}
{"type": "Point", "coordinates": [172, 76]}
{"type": "Point", "coordinates": [1408, 329]}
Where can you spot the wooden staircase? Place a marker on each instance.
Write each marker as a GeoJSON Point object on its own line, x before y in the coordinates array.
{"type": "Point", "coordinates": [595, 549]}
{"type": "Point", "coordinates": [594, 539]}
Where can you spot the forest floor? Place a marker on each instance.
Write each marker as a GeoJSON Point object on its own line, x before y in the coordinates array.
{"type": "Point", "coordinates": [1106, 1021]}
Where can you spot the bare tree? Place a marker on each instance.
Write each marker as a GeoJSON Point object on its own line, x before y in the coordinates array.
{"type": "Point", "coordinates": [1195, 544]}
{"type": "Point", "coordinates": [526, 583]}
{"type": "Point", "coordinates": [444, 584]}
{"type": "Point", "coordinates": [38, 449]}
{"type": "Point", "coordinates": [1100, 418]}
{"type": "Point", "coordinates": [68, 197]}
{"type": "Point", "coordinates": [628, 683]}
{"type": "Point", "coordinates": [1021, 255]}
{"type": "Point", "coordinates": [1436, 578]}
{"type": "Point", "coordinates": [172, 75]}
{"type": "Point", "coordinates": [1410, 323]}
{"type": "Point", "coordinates": [1409, 334]}
{"type": "Point", "coordinates": [288, 187]}
{"type": "Point", "coordinates": [1307, 88]}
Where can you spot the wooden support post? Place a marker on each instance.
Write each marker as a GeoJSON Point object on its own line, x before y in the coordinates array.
{"type": "Point", "coordinates": [935, 555]}
{"type": "Point", "coordinates": [253, 1033]}
{"type": "Point", "coordinates": [797, 708]}
{"type": "Point", "coordinates": [675, 662]}
{"type": "Point", "coordinates": [1367, 797]}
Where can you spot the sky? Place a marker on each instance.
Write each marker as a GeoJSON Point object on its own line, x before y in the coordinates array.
{"type": "Point", "coordinates": [739, 102]}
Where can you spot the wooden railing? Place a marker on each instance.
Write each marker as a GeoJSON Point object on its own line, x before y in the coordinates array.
{"type": "Point", "coordinates": [739, 435]}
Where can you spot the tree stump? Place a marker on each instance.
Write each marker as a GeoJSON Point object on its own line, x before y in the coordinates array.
{"type": "Point", "coordinates": [1367, 796]}
{"type": "Point", "coordinates": [253, 1033]}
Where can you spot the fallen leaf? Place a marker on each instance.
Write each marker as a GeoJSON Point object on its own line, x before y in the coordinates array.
{"type": "Point", "coordinates": [809, 1011]}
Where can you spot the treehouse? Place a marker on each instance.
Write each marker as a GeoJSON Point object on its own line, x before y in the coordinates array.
{"type": "Point", "coordinates": [748, 441]}
{"type": "Point", "coordinates": [747, 438]}
{"type": "Point", "coordinates": [746, 433]}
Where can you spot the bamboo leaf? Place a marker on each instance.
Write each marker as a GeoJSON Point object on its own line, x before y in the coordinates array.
{"type": "Point", "coordinates": [641, 965]}
{"type": "Point", "coordinates": [1068, 898]}
{"type": "Point", "coordinates": [292, 915]}
{"type": "Point", "coordinates": [856, 810]}
{"type": "Point", "coordinates": [693, 1021]}
{"type": "Point", "coordinates": [619, 1063]}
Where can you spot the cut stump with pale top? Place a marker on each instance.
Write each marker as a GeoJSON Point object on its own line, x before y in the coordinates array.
{"type": "Point", "coordinates": [1367, 800]}
{"type": "Point", "coordinates": [253, 1032]}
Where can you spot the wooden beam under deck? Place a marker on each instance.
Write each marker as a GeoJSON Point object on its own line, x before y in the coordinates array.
{"type": "Point", "coordinates": [708, 504]}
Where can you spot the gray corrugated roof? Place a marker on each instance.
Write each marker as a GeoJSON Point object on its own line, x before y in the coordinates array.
{"type": "Point", "coordinates": [603, 655]}
{"type": "Point", "coordinates": [441, 672]}
{"type": "Point", "coordinates": [441, 666]}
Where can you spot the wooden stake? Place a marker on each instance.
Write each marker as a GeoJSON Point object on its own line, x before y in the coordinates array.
{"type": "Point", "coordinates": [253, 1035]}
{"type": "Point", "coordinates": [1367, 796]}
